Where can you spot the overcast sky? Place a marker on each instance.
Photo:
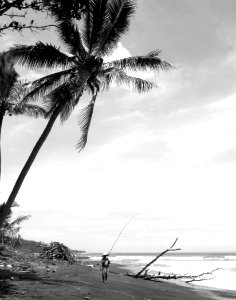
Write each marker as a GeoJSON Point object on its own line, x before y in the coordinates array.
{"type": "Point", "coordinates": [168, 155]}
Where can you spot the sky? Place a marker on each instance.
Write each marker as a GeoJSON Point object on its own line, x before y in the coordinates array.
{"type": "Point", "coordinates": [166, 158]}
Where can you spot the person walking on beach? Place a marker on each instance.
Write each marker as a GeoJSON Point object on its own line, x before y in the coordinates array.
{"type": "Point", "coordinates": [105, 266]}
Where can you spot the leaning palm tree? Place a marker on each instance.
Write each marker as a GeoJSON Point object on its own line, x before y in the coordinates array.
{"type": "Point", "coordinates": [12, 92]}
{"type": "Point", "coordinates": [84, 69]}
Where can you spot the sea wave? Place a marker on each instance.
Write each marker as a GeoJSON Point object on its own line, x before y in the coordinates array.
{"type": "Point", "coordinates": [230, 257]}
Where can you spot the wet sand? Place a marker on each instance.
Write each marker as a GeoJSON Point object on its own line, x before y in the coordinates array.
{"type": "Point", "coordinates": [79, 282]}
{"type": "Point", "coordinates": [83, 282]}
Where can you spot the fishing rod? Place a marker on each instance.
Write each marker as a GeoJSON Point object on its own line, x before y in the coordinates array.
{"type": "Point", "coordinates": [121, 233]}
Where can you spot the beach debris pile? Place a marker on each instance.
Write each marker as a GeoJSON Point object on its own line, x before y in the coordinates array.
{"type": "Point", "coordinates": [12, 260]}
{"type": "Point", "coordinates": [57, 251]}
{"type": "Point", "coordinates": [20, 267]}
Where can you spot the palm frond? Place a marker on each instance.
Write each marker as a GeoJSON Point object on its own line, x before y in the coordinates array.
{"type": "Point", "coordinates": [64, 9]}
{"type": "Point", "coordinates": [85, 118]}
{"type": "Point", "coordinates": [57, 97]}
{"type": "Point", "coordinates": [18, 221]}
{"type": "Point", "coordinates": [118, 15]}
{"type": "Point", "coordinates": [30, 110]}
{"type": "Point", "coordinates": [154, 53]}
{"type": "Point", "coordinates": [86, 28]}
{"type": "Point", "coordinates": [69, 106]}
{"type": "Point", "coordinates": [140, 85]}
{"type": "Point", "coordinates": [18, 91]}
{"type": "Point", "coordinates": [71, 95]}
{"type": "Point", "coordinates": [39, 56]}
{"type": "Point", "coordinates": [8, 76]}
{"type": "Point", "coordinates": [66, 96]}
{"type": "Point", "coordinates": [47, 84]}
{"type": "Point", "coordinates": [120, 77]}
{"type": "Point", "coordinates": [12, 232]}
{"type": "Point", "coordinates": [150, 62]}
{"type": "Point", "coordinates": [70, 35]}
{"type": "Point", "coordinates": [95, 20]}
{"type": "Point", "coordinates": [93, 84]}
{"type": "Point", "coordinates": [17, 104]}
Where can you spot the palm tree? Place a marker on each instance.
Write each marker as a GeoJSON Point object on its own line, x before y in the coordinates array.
{"type": "Point", "coordinates": [10, 229]}
{"type": "Point", "coordinates": [12, 91]}
{"type": "Point", "coordinates": [104, 22]}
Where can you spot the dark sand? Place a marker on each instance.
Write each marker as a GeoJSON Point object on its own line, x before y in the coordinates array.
{"type": "Point", "coordinates": [79, 282]}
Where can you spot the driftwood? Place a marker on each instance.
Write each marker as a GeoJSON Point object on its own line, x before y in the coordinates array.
{"type": "Point", "coordinates": [57, 251]}
{"type": "Point", "coordinates": [187, 278]}
{"type": "Point", "coordinates": [156, 258]}
{"type": "Point", "coordinates": [199, 277]}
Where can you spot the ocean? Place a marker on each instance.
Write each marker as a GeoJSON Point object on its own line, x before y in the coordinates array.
{"type": "Point", "coordinates": [184, 264]}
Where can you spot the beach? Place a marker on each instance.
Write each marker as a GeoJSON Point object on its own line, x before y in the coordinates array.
{"type": "Point", "coordinates": [66, 281]}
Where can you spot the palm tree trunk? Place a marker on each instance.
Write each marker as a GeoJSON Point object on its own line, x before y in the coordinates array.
{"type": "Point", "coordinates": [29, 163]}
{"type": "Point", "coordinates": [1, 119]}
{"type": "Point", "coordinates": [35, 151]}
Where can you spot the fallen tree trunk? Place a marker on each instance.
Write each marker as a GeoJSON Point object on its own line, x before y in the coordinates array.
{"type": "Point", "coordinates": [189, 278]}
{"type": "Point", "coordinates": [186, 277]}
{"type": "Point", "coordinates": [156, 258]}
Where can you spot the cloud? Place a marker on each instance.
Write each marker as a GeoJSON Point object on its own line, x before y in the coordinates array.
{"type": "Point", "coordinates": [31, 75]}
{"type": "Point", "coordinates": [7, 41]}
{"type": "Point", "coordinates": [25, 127]}
{"type": "Point", "coordinates": [119, 53]}
{"type": "Point", "coordinates": [129, 116]}
{"type": "Point", "coordinates": [230, 59]}
{"type": "Point", "coordinates": [202, 140]}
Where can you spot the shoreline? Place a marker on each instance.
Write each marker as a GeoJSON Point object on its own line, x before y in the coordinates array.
{"type": "Point", "coordinates": [213, 293]}
{"type": "Point", "coordinates": [179, 289]}
{"type": "Point", "coordinates": [83, 281]}
{"type": "Point", "coordinates": [202, 292]}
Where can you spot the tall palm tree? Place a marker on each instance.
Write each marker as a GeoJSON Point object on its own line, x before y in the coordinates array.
{"type": "Point", "coordinates": [12, 92]}
{"type": "Point", "coordinates": [104, 23]}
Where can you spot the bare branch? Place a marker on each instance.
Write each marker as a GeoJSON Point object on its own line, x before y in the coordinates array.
{"type": "Point", "coordinates": [187, 278]}
{"type": "Point", "coordinates": [17, 7]}
{"type": "Point", "coordinates": [19, 27]}
{"type": "Point", "coordinates": [200, 276]}
{"type": "Point", "coordinates": [156, 258]}
{"type": "Point", "coordinates": [6, 5]}
{"type": "Point", "coordinates": [174, 243]}
{"type": "Point", "coordinates": [50, 8]}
